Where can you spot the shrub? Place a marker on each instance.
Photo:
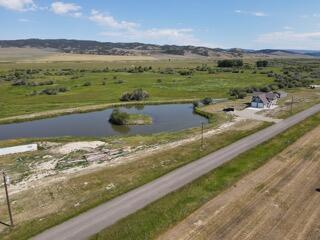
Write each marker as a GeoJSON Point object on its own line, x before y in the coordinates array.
{"type": "Point", "coordinates": [52, 91]}
{"type": "Point", "coordinates": [118, 117]}
{"type": "Point", "coordinates": [195, 104]}
{"type": "Point", "coordinates": [19, 83]}
{"type": "Point", "coordinates": [207, 101]}
{"type": "Point", "coordinates": [87, 84]}
{"type": "Point", "coordinates": [263, 63]}
{"type": "Point", "coordinates": [265, 89]}
{"type": "Point", "coordinates": [136, 95]}
{"type": "Point", "coordinates": [237, 93]}
{"type": "Point", "coordinates": [49, 91]}
{"type": "Point", "coordinates": [230, 63]}
{"type": "Point", "coordinates": [185, 72]}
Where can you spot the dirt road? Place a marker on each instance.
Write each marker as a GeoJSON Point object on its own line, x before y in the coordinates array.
{"type": "Point", "coordinates": [94, 220]}
{"type": "Point", "coordinates": [277, 201]}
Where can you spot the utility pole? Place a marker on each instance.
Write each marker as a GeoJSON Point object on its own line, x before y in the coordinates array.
{"type": "Point", "coordinates": [202, 130]}
{"type": "Point", "coordinates": [7, 197]}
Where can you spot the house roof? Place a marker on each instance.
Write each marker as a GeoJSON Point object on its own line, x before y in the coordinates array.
{"type": "Point", "coordinates": [266, 97]}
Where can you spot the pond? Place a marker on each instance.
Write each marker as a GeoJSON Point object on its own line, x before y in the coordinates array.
{"type": "Point", "coordinates": [166, 118]}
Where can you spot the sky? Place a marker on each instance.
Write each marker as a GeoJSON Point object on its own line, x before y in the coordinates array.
{"type": "Point", "coordinates": [249, 24]}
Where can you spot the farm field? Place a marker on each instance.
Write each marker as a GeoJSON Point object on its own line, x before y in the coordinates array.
{"type": "Point", "coordinates": [277, 201]}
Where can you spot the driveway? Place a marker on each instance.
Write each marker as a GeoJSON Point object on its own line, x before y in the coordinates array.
{"type": "Point", "coordinates": [252, 113]}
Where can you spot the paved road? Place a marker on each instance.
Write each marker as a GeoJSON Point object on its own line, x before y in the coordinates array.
{"type": "Point", "coordinates": [96, 219]}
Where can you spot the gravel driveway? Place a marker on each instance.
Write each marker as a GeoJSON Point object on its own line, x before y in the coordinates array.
{"type": "Point", "coordinates": [251, 113]}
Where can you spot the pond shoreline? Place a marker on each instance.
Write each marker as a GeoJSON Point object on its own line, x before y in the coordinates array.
{"type": "Point", "coordinates": [84, 109]}
{"type": "Point", "coordinates": [134, 120]}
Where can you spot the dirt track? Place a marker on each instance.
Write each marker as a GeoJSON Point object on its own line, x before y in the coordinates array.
{"type": "Point", "coordinates": [277, 201]}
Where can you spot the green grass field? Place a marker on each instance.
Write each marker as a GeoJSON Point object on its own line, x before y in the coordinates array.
{"type": "Point", "coordinates": [107, 87]}
{"type": "Point", "coordinates": [15, 100]}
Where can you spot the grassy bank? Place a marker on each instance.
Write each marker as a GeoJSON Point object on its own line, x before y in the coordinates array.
{"type": "Point", "coordinates": [71, 197]}
{"type": "Point", "coordinates": [213, 117]}
{"type": "Point", "coordinates": [166, 212]}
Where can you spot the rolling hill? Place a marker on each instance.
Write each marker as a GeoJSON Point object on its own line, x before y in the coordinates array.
{"type": "Point", "coordinates": [142, 49]}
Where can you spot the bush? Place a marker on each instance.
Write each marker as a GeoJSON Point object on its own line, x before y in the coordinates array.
{"type": "Point", "coordinates": [185, 72]}
{"type": "Point", "coordinates": [265, 89]}
{"type": "Point", "coordinates": [207, 101]}
{"type": "Point", "coordinates": [118, 117]}
{"type": "Point", "coordinates": [263, 63]}
{"type": "Point", "coordinates": [87, 84]}
{"type": "Point", "coordinates": [51, 91]}
{"type": "Point", "coordinates": [19, 83]}
{"type": "Point", "coordinates": [195, 104]}
{"type": "Point", "coordinates": [237, 93]}
{"type": "Point", "coordinates": [136, 95]}
{"type": "Point", "coordinates": [230, 63]}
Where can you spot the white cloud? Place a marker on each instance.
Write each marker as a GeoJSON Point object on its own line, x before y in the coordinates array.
{"type": "Point", "coordinates": [159, 35]}
{"type": "Point", "coordinates": [291, 39]}
{"type": "Point", "coordinates": [120, 30]}
{"type": "Point", "coordinates": [18, 5]}
{"type": "Point", "coordinates": [288, 28]}
{"type": "Point", "coordinates": [24, 20]}
{"type": "Point", "coordinates": [110, 22]}
{"type": "Point", "coordinates": [62, 8]}
{"type": "Point", "coordinates": [256, 14]}
{"type": "Point", "coordinates": [314, 15]}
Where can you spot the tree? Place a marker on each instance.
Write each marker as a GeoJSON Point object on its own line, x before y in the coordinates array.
{"type": "Point", "coordinates": [262, 63]}
{"type": "Point", "coordinates": [230, 63]}
{"type": "Point", "coordinates": [207, 101]}
{"type": "Point", "coordinates": [237, 93]}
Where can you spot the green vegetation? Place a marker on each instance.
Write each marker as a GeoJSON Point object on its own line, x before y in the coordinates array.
{"type": "Point", "coordinates": [83, 81]}
{"type": "Point", "coordinates": [230, 63]}
{"type": "Point", "coordinates": [238, 93]}
{"type": "Point", "coordinates": [164, 213]}
{"type": "Point", "coordinates": [24, 86]}
{"type": "Point", "coordinates": [214, 118]}
{"type": "Point", "coordinates": [122, 118]}
{"type": "Point", "coordinates": [262, 63]}
{"type": "Point", "coordinates": [135, 95]}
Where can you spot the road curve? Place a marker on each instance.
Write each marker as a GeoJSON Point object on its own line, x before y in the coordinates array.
{"type": "Point", "coordinates": [96, 219]}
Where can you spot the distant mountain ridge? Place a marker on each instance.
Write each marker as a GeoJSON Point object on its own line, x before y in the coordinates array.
{"type": "Point", "coordinates": [135, 49]}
